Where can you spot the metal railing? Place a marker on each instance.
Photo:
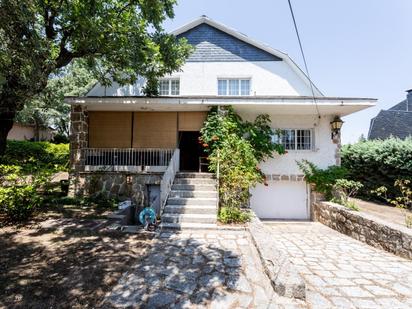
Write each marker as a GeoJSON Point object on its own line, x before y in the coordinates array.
{"type": "Point", "coordinates": [168, 178]}
{"type": "Point", "coordinates": [127, 156]}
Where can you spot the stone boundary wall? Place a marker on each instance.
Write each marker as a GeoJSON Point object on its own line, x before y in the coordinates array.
{"type": "Point", "coordinates": [285, 279]}
{"type": "Point", "coordinates": [121, 185]}
{"type": "Point", "coordinates": [375, 232]}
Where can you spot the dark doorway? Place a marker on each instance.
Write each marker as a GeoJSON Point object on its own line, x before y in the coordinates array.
{"type": "Point", "coordinates": [190, 150]}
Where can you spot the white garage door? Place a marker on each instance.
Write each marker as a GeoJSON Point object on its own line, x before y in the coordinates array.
{"type": "Point", "coordinates": [281, 200]}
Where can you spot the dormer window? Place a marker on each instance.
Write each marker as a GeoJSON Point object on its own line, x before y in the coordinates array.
{"type": "Point", "coordinates": [233, 86]}
{"type": "Point", "coordinates": [169, 87]}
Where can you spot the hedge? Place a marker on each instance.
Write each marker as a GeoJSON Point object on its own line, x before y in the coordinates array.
{"type": "Point", "coordinates": [378, 163]}
{"type": "Point", "coordinates": [31, 156]}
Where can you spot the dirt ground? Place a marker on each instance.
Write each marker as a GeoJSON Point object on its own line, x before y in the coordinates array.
{"type": "Point", "coordinates": [64, 260]}
{"type": "Point", "coordinates": [384, 212]}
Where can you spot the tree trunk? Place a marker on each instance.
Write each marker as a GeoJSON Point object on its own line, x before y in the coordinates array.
{"type": "Point", "coordinates": [6, 123]}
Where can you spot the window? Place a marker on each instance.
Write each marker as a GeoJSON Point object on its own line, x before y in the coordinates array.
{"type": "Point", "coordinates": [294, 139]}
{"type": "Point", "coordinates": [233, 86]}
{"type": "Point", "coordinates": [169, 87]}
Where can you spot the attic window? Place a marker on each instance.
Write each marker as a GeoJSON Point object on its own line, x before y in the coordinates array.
{"type": "Point", "coordinates": [168, 87]}
{"type": "Point", "coordinates": [233, 86]}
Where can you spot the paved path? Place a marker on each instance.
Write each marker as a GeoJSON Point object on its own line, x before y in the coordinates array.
{"type": "Point", "coordinates": [213, 269]}
{"type": "Point", "coordinates": [341, 272]}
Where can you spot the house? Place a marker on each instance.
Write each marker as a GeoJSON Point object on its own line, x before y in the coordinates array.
{"type": "Point", "coordinates": [396, 121]}
{"type": "Point", "coordinates": [23, 132]}
{"type": "Point", "coordinates": [127, 144]}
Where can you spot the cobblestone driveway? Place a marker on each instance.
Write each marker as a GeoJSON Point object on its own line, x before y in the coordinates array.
{"type": "Point", "coordinates": [198, 270]}
{"type": "Point", "coordinates": [342, 272]}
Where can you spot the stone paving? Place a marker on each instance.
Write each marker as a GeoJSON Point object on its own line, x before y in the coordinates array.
{"type": "Point", "coordinates": [341, 272]}
{"type": "Point", "coordinates": [211, 269]}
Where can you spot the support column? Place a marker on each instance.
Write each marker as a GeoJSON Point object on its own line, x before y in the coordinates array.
{"type": "Point", "coordinates": [79, 129]}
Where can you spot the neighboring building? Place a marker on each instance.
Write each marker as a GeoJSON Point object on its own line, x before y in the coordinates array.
{"type": "Point", "coordinates": [396, 121]}
{"type": "Point", "coordinates": [122, 142]}
{"type": "Point", "coordinates": [22, 132]}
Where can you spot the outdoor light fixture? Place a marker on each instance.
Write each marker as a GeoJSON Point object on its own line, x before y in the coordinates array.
{"type": "Point", "coordinates": [336, 125]}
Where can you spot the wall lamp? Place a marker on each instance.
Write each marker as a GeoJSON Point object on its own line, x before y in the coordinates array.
{"type": "Point", "coordinates": [336, 125]}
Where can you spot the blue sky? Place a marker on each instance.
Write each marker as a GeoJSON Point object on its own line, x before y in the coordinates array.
{"type": "Point", "coordinates": [360, 48]}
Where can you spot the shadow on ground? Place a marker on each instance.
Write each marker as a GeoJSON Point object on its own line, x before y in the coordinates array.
{"type": "Point", "coordinates": [178, 271]}
{"type": "Point", "coordinates": [78, 268]}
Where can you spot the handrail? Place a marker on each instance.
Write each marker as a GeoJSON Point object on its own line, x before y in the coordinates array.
{"type": "Point", "coordinates": [127, 156]}
{"type": "Point", "coordinates": [168, 178]}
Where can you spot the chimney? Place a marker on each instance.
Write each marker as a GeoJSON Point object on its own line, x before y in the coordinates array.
{"type": "Point", "coordinates": [409, 100]}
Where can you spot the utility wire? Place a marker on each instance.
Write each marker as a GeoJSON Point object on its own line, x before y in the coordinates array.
{"type": "Point", "coordinates": [304, 58]}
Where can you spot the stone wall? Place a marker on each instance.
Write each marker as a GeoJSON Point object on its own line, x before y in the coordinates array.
{"type": "Point", "coordinates": [115, 185]}
{"type": "Point", "coordinates": [393, 238]}
{"type": "Point", "coordinates": [79, 129]}
{"type": "Point", "coordinates": [284, 277]}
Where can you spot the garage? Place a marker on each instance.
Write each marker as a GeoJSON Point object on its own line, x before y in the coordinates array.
{"type": "Point", "coordinates": [281, 200]}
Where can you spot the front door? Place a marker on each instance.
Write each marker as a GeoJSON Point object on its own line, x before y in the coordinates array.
{"type": "Point", "coordinates": [190, 150]}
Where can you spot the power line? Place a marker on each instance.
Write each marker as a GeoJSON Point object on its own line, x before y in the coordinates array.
{"type": "Point", "coordinates": [303, 56]}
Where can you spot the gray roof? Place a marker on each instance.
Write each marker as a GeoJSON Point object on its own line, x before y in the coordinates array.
{"type": "Point", "coordinates": [214, 45]}
{"type": "Point", "coordinates": [387, 123]}
{"type": "Point", "coordinates": [402, 106]}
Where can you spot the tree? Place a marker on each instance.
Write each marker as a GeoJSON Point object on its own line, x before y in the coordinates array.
{"type": "Point", "coordinates": [119, 39]}
{"type": "Point", "coordinates": [48, 108]}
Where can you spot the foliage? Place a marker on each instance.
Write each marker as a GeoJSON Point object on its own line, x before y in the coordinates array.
{"type": "Point", "coordinates": [20, 195]}
{"type": "Point", "coordinates": [237, 170]}
{"type": "Point", "coordinates": [223, 122]}
{"type": "Point", "coordinates": [36, 156]}
{"type": "Point", "coordinates": [403, 200]}
{"type": "Point", "coordinates": [119, 40]}
{"type": "Point", "coordinates": [378, 163]}
{"type": "Point", "coordinates": [322, 179]}
{"type": "Point", "coordinates": [235, 148]}
{"type": "Point", "coordinates": [345, 189]}
{"type": "Point", "coordinates": [229, 215]}
{"type": "Point", "coordinates": [48, 109]}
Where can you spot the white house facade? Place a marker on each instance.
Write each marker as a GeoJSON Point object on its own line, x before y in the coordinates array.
{"type": "Point", "coordinates": [226, 68]}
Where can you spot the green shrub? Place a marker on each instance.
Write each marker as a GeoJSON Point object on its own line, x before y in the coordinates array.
{"type": "Point", "coordinates": [378, 163]}
{"type": "Point", "coordinates": [20, 195]}
{"type": "Point", "coordinates": [34, 156]}
{"type": "Point", "coordinates": [234, 215]}
{"type": "Point", "coordinates": [322, 179]}
{"type": "Point", "coordinates": [19, 202]}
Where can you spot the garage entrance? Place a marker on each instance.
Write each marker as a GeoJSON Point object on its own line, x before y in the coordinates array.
{"type": "Point", "coordinates": [281, 200]}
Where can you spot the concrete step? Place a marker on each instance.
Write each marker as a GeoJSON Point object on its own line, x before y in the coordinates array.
{"type": "Point", "coordinates": [184, 193]}
{"type": "Point", "coordinates": [195, 175]}
{"type": "Point", "coordinates": [189, 218]}
{"type": "Point", "coordinates": [187, 209]}
{"type": "Point", "coordinates": [195, 181]}
{"type": "Point", "coordinates": [199, 201]}
{"type": "Point", "coordinates": [188, 226]}
{"type": "Point", "coordinates": [194, 187]}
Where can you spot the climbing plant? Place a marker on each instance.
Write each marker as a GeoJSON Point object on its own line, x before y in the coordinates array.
{"type": "Point", "coordinates": [235, 147]}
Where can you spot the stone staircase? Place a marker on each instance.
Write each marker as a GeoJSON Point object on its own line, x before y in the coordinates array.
{"type": "Point", "coordinates": [192, 202]}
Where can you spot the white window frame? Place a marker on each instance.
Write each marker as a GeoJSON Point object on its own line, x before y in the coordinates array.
{"type": "Point", "coordinates": [239, 92]}
{"type": "Point", "coordinates": [169, 81]}
{"type": "Point", "coordinates": [311, 143]}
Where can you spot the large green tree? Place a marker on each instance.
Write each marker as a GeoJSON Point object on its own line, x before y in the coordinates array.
{"type": "Point", "coordinates": [120, 39]}
{"type": "Point", "coordinates": [48, 108]}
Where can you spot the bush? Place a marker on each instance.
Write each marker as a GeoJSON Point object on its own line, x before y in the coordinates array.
{"type": "Point", "coordinates": [322, 179]}
{"type": "Point", "coordinates": [34, 156]}
{"type": "Point", "coordinates": [20, 195]}
{"type": "Point", "coordinates": [378, 163]}
{"type": "Point", "coordinates": [234, 215]}
{"type": "Point", "coordinates": [237, 171]}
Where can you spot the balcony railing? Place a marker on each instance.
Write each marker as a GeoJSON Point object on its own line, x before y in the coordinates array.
{"type": "Point", "coordinates": [132, 158]}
